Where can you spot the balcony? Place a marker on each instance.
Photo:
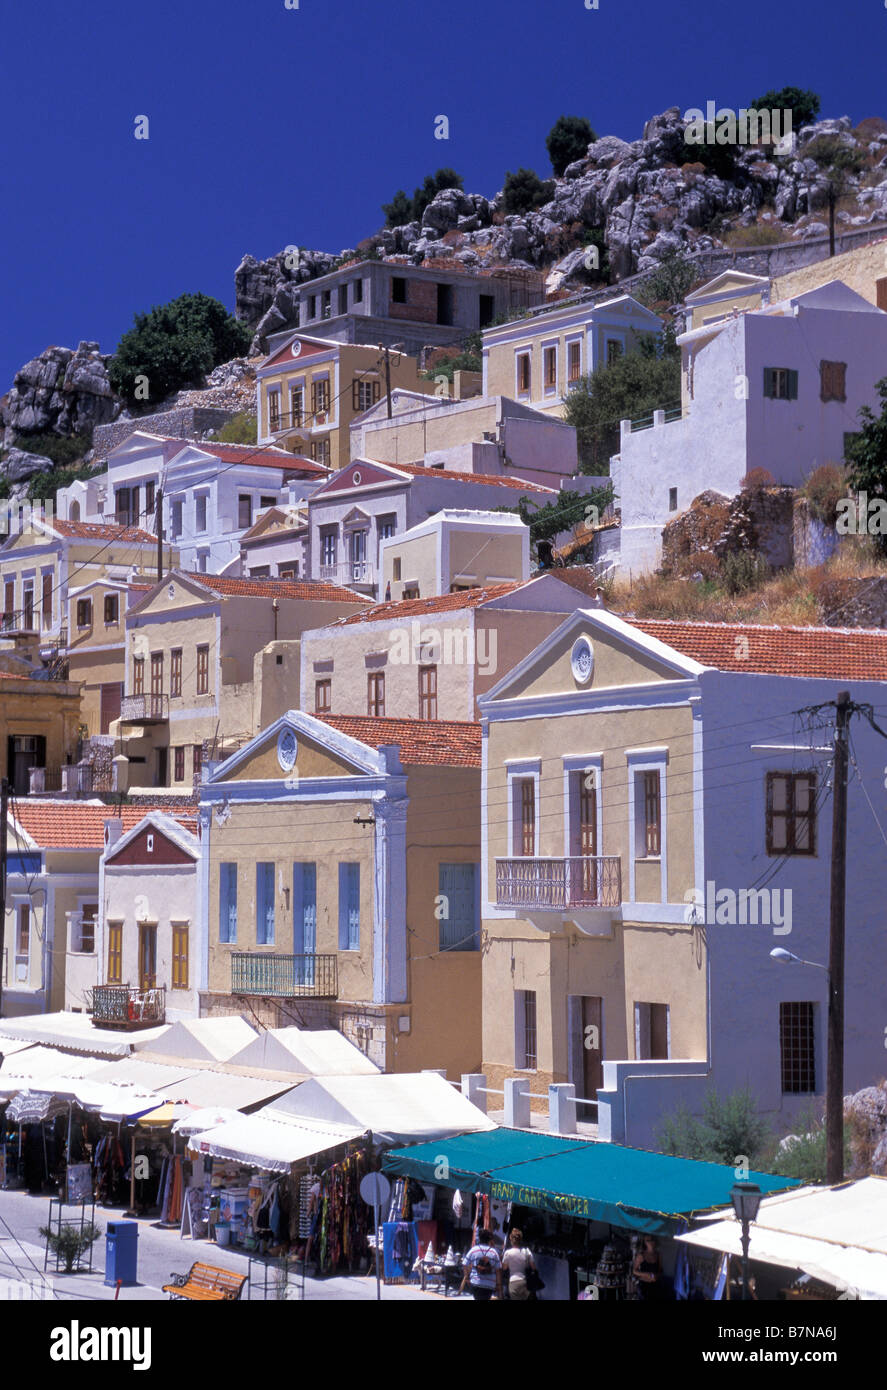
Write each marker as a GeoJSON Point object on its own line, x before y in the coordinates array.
{"type": "Point", "coordinates": [25, 623]}
{"type": "Point", "coordinates": [559, 885]}
{"type": "Point", "coordinates": [350, 572]}
{"type": "Point", "coordinates": [144, 709]}
{"type": "Point", "coordinates": [284, 977]}
{"type": "Point", "coordinates": [120, 1006]}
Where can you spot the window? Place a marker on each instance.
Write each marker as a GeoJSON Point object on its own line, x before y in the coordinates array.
{"type": "Point", "coordinates": [549, 367]}
{"type": "Point", "coordinates": [200, 512]}
{"type": "Point", "coordinates": [115, 953]}
{"type": "Point", "coordinates": [427, 692]}
{"type": "Point", "coordinates": [648, 838]}
{"type": "Point", "coordinates": [123, 506]}
{"type": "Point", "coordinates": [228, 903]}
{"type": "Point", "coordinates": [614, 350]}
{"type": "Point", "coordinates": [398, 290]}
{"type": "Point", "coordinates": [180, 955]}
{"type": "Point", "coordinates": [797, 1048]}
{"type": "Point", "coordinates": [458, 908]}
{"type": "Point", "coordinates": [387, 525]}
{"type": "Point", "coordinates": [47, 599]}
{"type": "Point", "coordinates": [305, 919]}
{"type": "Point", "coordinates": [179, 763]}
{"type": "Point", "coordinates": [8, 600]}
{"type": "Point", "coordinates": [323, 697]}
{"type": "Point", "coordinates": [651, 1032]}
{"type": "Point", "coordinates": [28, 606]}
{"type": "Point", "coordinates": [175, 671]}
{"type": "Point", "coordinates": [84, 612]}
{"type": "Point", "coordinates": [349, 907]}
{"type": "Point", "coordinates": [525, 1057]}
{"type": "Point", "coordinates": [326, 307]}
{"type": "Point", "coordinates": [523, 372]}
{"type": "Point", "coordinates": [320, 451]}
{"type": "Point", "coordinates": [297, 400]}
{"type": "Point", "coordinates": [525, 809]}
{"type": "Point", "coordinates": [150, 501]}
{"type": "Point", "coordinates": [364, 394]}
{"type": "Point", "coordinates": [357, 291]}
{"type": "Point", "coordinates": [395, 568]}
{"type": "Point", "coordinates": [328, 547]}
{"type": "Point", "coordinates": [112, 610]}
{"type": "Point", "coordinates": [320, 396]}
{"type": "Point", "coordinates": [343, 299]}
{"type": "Point", "coordinates": [290, 571]}
{"type": "Point", "coordinates": [574, 361]}
{"type": "Point", "coordinates": [203, 670]}
{"type": "Point", "coordinates": [138, 675]}
{"type": "Point", "coordinates": [832, 381]}
{"type": "Point", "coordinates": [23, 932]}
{"type": "Point", "coordinates": [196, 760]}
{"type": "Point", "coordinates": [791, 813]}
{"type": "Point", "coordinates": [264, 904]}
{"type": "Point", "coordinates": [780, 384]}
{"type": "Point", "coordinates": [486, 310]}
{"type": "Point", "coordinates": [672, 499]}
{"type": "Point", "coordinates": [376, 694]}
{"type": "Point", "coordinates": [411, 591]}
{"type": "Point", "coordinates": [88, 915]}
{"type": "Point", "coordinates": [157, 673]}
{"type": "Point", "coordinates": [313, 313]}
{"type": "Point", "coordinates": [244, 511]}
{"type": "Point", "coordinates": [176, 519]}
{"type": "Point", "coordinates": [274, 410]}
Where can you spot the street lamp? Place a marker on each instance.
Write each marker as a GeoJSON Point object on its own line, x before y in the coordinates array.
{"type": "Point", "coordinates": [779, 953]}
{"type": "Point", "coordinates": [746, 1200]}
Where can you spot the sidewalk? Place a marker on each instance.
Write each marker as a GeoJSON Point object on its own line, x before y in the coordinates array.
{"type": "Point", "coordinates": [160, 1253]}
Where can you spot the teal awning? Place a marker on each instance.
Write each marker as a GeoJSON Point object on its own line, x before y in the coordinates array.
{"type": "Point", "coordinates": [645, 1191]}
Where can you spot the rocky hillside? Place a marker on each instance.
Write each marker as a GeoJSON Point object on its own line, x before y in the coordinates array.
{"type": "Point", "coordinates": [648, 199]}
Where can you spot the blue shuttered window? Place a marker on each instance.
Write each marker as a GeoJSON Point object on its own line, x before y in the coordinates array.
{"type": "Point", "coordinates": [228, 902]}
{"type": "Point", "coordinates": [264, 904]}
{"type": "Point", "coordinates": [305, 920]}
{"type": "Point", "coordinates": [349, 907]}
{"type": "Point", "coordinates": [458, 907]}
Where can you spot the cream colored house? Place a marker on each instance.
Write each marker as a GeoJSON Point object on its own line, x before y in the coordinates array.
{"type": "Point", "coordinates": [430, 658]}
{"type": "Point", "coordinates": [276, 546]}
{"type": "Point", "coordinates": [39, 721]}
{"type": "Point", "coordinates": [342, 877]}
{"type": "Point", "coordinates": [539, 359]}
{"type": "Point", "coordinates": [198, 649]}
{"type": "Point", "coordinates": [310, 389]}
{"type": "Point", "coordinates": [95, 651]}
{"type": "Point", "coordinates": [454, 550]}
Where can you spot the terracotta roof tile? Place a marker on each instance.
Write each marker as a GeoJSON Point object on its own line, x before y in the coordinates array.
{"type": "Point", "coordinates": [255, 586]}
{"type": "Point", "coordinates": [77, 825]}
{"type": "Point", "coordinates": [442, 603]}
{"type": "Point", "coordinates": [103, 531]}
{"type": "Point", "coordinates": [442, 742]}
{"type": "Point", "coordinates": [262, 456]}
{"type": "Point", "coordinates": [419, 470]}
{"type": "Point", "coordinates": [821, 652]}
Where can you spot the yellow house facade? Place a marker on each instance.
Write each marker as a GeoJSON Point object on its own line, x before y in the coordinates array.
{"type": "Point", "coordinates": [590, 846]}
{"type": "Point", "coordinates": [342, 862]}
{"type": "Point", "coordinates": [39, 722]}
{"type": "Point", "coordinates": [310, 389]}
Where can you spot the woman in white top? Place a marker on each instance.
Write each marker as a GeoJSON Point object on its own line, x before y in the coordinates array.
{"type": "Point", "coordinates": [516, 1261]}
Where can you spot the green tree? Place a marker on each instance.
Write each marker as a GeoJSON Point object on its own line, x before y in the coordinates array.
{"type": "Point", "coordinates": [865, 453]}
{"type": "Point", "coordinates": [804, 106]}
{"type": "Point", "coordinates": [174, 346]}
{"type": "Point", "coordinates": [670, 281]}
{"type": "Point", "coordinates": [840, 163]}
{"type": "Point", "coordinates": [240, 429]}
{"type": "Point", "coordinates": [432, 185]}
{"type": "Point", "coordinates": [524, 191]}
{"type": "Point", "coordinates": [399, 211]}
{"type": "Point", "coordinates": [567, 141]}
{"type": "Point", "coordinates": [466, 359]}
{"type": "Point", "coordinates": [632, 385]}
{"type": "Point", "coordinates": [570, 508]}
{"type": "Point", "coordinates": [730, 1128]}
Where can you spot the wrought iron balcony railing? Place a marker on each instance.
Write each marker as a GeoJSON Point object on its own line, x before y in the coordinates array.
{"type": "Point", "coordinates": [579, 881]}
{"type": "Point", "coordinates": [144, 709]}
{"type": "Point", "coordinates": [288, 977]}
{"type": "Point", "coordinates": [121, 1006]}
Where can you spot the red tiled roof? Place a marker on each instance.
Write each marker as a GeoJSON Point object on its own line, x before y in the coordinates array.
{"type": "Point", "coordinates": [256, 586]}
{"type": "Point", "coordinates": [442, 603]}
{"type": "Point", "coordinates": [419, 470]}
{"type": "Point", "coordinates": [261, 456]}
{"type": "Point", "coordinates": [445, 742]}
{"type": "Point", "coordinates": [823, 652]}
{"type": "Point", "coordinates": [74, 825]}
{"type": "Point", "coordinates": [103, 531]}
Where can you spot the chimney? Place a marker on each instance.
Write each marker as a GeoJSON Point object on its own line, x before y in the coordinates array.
{"type": "Point", "coordinates": [113, 831]}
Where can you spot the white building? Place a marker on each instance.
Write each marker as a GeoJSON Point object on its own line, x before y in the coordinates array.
{"type": "Point", "coordinates": [777, 388]}
{"type": "Point", "coordinates": [454, 549]}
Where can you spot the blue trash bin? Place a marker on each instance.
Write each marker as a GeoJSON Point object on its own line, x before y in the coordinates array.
{"type": "Point", "coordinates": [121, 1252]}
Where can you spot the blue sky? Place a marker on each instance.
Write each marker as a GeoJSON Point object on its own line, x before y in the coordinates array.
{"type": "Point", "coordinates": [271, 126]}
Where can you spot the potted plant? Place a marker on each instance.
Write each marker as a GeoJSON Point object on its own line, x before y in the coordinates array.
{"type": "Point", "coordinates": [71, 1242]}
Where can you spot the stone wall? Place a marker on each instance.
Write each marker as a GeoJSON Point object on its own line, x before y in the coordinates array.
{"type": "Point", "coordinates": [854, 602]}
{"type": "Point", "coordinates": [813, 542]}
{"type": "Point", "coordinates": [182, 422]}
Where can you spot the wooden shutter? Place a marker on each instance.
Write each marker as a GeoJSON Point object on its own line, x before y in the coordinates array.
{"type": "Point", "coordinates": [528, 816]}
{"type": "Point", "coordinates": [652, 813]}
{"type": "Point", "coordinates": [349, 907]}
{"type": "Point", "coordinates": [459, 927]}
{"type": "Point", "coordinates": [769, 382]}
{"type": "Point", "coordinates": [792, 393]}
{"type": "Point", "coordinates": [179, 956]}
{"type": "Point", "coordinates": [228, 903]}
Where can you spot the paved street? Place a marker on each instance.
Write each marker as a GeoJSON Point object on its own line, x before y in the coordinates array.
{"type": "Point", "coordinates": [160, 1253]}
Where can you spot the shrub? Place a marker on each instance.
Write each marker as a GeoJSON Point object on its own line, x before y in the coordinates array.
{"type": "Point", "coordinates": [759, 234]}
{"type": "Point", "coordinates": [728, 1129]}
{"type": "Point", "coordinates": [670, 281]}
{"type": "Point", "coordinates": [64, 449]}
{"type": "Point", "coordinates": [399, 211]}
{"type": "Point", "coordinates": [70, 1243]}
{"type": "Point", "coordinates": [823, 489]}
{"type": "Point", "coordinates": [402, 209]}
{"type": "Point", "coordinates": [524, 191]}
{"type": "Point", "coordinates": [175, 345]}
{"type": "Point", "coordinates": [567, 141]}
{"type": "Point", "coordinates": [756, 479]}
{"type": "Point", "coordinates": [804, 105]}
{"type": "Point", "coordinates": [742, 570]}
{"type": "Point", "coordinates": [43, 486]}
{"type": "Point", "coordinates": [804, 1155]}
{"type": "Point", "coordinates": [242, 429]}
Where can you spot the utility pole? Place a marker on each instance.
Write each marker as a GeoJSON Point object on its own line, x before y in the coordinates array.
{"type": "Point", "coordinates": [158, 527]}
{"type": "Point", "coordinates": [388, 378]}
{"type": "Point", "coordinates": [4, 812]}
{"type": "Point", "coordinates": [834, 1093]}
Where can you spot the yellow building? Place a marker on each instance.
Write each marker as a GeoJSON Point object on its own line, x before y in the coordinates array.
{"type": "Point", "coordinates": [343, 884]}
{"type": "Point", "coordinates": [209, 659]}
{"type": "Point", "coordinates": [39, 722]}
{"type": "Point", "coordinates": [95, 650]}
{"type": "Point", "coordinates": [589, 831]}
{"type": "Point", "coordinates": [310, 389]}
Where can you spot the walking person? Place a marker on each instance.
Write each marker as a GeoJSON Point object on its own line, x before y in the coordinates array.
{"type": "Point", "coordinates": [483, 1265]}
{"type": "Point", "coordinates": [517, 1261]}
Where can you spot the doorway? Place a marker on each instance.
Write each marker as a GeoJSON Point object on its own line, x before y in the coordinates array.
{"type": "Point", "coordinates": [586, 1050]}
{"type": "Point", "coordinates": [147, 955]}
{"type": "Point", "coordinates": [24, 751]}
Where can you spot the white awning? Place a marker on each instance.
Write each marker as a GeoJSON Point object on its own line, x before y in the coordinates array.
{"type": "Point", "coordinates": [267, 1144]}
{"type": "Point", "coordinates": [313, 1052]}
{"type": "Point", "coordinates": [76, 1032]}
{"type": "Point", "coordinates": [398, 1107]}
{"type": "Point", "coordinates": [203, 1039]}
{"type": "Point", "coordinates": [221, 1088]}
{"type": "Point", "coordinates": [45, 1069]}
{"type": "Point", "coordinates": [210, 1117]}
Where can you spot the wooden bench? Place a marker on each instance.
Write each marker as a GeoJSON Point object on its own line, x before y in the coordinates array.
{"type": "Point", "coordinates": [206, 1284]}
